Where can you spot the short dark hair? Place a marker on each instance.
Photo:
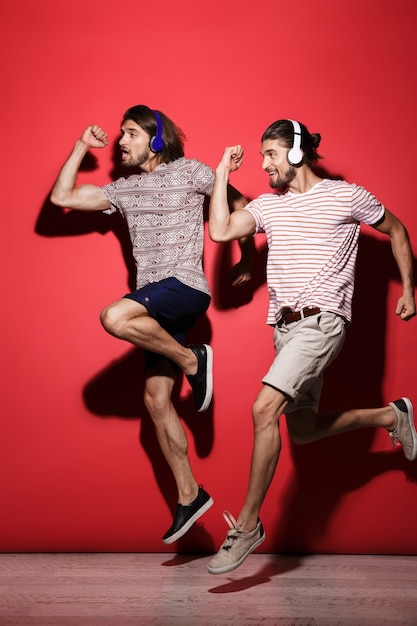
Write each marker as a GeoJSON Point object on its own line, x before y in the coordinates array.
{"type": "Point", "coordinates": [284, 130]}
{"type": "Point", "coordinates": [173, 136]}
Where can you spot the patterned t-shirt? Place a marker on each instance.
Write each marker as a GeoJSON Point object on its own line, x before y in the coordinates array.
{"type": "Point", "coordinates": [164, 213]}
{"type": "Point", "coordinates": [312, 245]}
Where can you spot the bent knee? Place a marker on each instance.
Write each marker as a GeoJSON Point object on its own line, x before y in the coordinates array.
{"type": "Point", "coordinates": [157, 404]}
{"type": "Point", "coordinates": [115, 319]}
{"type": "Point", "coordinates": [302, 427]}
{"type": "Point", "coordinates": [111, 320]}
{"type": "Point", "coordinates": [299, 438]}
{"type": "Point", "coordinates": [263, 415]}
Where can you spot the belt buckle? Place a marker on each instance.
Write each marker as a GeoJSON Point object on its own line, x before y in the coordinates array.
{"type": "Point", "coordinates": [309, 310]}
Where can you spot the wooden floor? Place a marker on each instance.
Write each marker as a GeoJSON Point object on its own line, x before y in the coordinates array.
{"type": "Point", "coordinates": [176, 590]}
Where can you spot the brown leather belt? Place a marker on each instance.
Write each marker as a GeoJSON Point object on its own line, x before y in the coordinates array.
{"type": "Point", "coordinates": [288, 316]}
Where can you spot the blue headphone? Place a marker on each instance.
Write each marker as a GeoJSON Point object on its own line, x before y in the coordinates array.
{"type": "Point", "coordinates": [295, 155]}
{"type": "Point", "coordinates": [156, 143]}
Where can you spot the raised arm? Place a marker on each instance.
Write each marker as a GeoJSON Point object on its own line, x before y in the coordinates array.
{"type": "Point", "coordinates": [65, 192]}
{"type": "Point", "coordinates": [223, 224]}
{"type": "Point", "coordinates": [400, 243]}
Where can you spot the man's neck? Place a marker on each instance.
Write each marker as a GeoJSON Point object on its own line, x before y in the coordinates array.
{"type": "Point", "coordinates": [151, 164]}
{"type": "Point", "coordinates": [304, 181]}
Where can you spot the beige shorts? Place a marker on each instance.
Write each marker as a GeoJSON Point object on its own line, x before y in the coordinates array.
{"type": "Point", "coordinates": [303, 350]}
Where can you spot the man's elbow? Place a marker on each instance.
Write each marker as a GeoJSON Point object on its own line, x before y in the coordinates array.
{"type": "Point", "coordinates": [213, 235]}
{"type": "Point", "coordinates": [57, 199]}
{"type": "Point", "coordinates": [62, 199]}
{"type": "Point", "coordinates": [217, 236]}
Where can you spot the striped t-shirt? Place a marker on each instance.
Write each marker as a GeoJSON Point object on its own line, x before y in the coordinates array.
{"type": "Point", "coordinates": [164, 214]}
{"type": "Point", "coordinates": [312, 244]}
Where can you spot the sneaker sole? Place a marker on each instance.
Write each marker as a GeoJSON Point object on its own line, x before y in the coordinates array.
{"type": "Point", "coordinates": [209, 380]}
{"type": "Point", "coordinates": [190, 522]}
{"type": "Point", "coordinates": [229, 568]}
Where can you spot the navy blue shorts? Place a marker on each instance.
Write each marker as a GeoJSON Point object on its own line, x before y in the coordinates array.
{"type": "Point", "coordinates": [175, 306]}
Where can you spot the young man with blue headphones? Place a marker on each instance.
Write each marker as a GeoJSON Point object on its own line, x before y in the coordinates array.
{"type": "Point", "coordinates": [312, 227]}
{"type": "Point", "coordinates": [162, 203]}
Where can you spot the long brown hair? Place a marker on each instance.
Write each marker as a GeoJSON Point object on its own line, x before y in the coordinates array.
{"type": "Point", "coordinates": [172, 135]}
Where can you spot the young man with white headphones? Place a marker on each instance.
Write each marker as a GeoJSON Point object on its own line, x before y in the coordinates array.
{"type": "Point", "coordinates": [312, 228]}
{"type": "Point", "coordinates": [162, 203]}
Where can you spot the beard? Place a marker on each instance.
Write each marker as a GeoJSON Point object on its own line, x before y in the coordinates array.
{"type": "Point", "coordinates": [138, 161]}
{"type": "Point", "coordinates": [284, 180]}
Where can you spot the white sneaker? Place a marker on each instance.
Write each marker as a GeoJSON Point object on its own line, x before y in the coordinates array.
{"type": "Point", "coordinates": [236, 547]}
{"type": "Point", "coordinates": [405, 432]}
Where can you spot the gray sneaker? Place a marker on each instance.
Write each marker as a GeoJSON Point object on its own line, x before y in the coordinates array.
{"type": "Point", "coordinates": [236, 547]}
{"type": "Point", "coordinates": [405, 432]}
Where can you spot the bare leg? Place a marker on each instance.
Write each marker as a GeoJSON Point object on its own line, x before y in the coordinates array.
{"type": "Point", "coordinates": [266, 449]}
{"type": "Point", "coordinates": [247, 533]}
{"type": "Point", "coordinates": [169, 430]}
{"type": "Point", "coordinates": [130, 321]}
{"type": "Point", "coordinates": [305, 426]}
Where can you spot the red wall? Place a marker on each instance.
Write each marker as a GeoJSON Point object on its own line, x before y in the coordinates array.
{"type": "Point", "coordinates": [80, 468]}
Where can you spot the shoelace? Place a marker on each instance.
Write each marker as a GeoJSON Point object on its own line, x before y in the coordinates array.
{"type": "Point", "coordinates": [232, 533]}
{"type": "Point", "coordinates": [230, 520]}
{"type": "Point", "coordinates": [395, 441]}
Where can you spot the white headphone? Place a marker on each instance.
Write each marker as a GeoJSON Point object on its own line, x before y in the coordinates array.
{"type": "Point", "coordinates": [295, 155]}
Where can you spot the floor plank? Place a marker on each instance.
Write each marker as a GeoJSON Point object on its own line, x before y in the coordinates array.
{"type": "Point", "coordinates": [176, 590]}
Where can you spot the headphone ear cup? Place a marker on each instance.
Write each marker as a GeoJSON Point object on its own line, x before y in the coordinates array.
{"type": "Point", "coordinates": [156, 143]}
{"type": "Point", "coordinates": [295, 156]}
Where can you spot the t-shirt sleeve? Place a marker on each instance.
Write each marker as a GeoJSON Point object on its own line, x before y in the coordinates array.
{"type": "Point", "coordinates": [109, 192]}
{"type": "Point", "coordinates": [365, 207]}
{"type": "Point", "coordinates": [203, 178]}
{"type": "Point", "coordinates": [255, 208]}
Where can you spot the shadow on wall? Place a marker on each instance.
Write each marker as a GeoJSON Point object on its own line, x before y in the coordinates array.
{"type": "Point", "coordinates": [326, 470]}
{"type": "Point", "coordinates": [56, 222]}
{"type": "Point", "coordinates": [117, 391]}
{"type": "Point", "coordinates": [323, 471]}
